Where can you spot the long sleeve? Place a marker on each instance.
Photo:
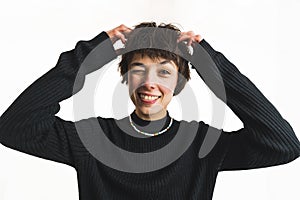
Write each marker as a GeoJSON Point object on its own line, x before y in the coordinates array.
{"type": "Point", "coordinates": [266, 139]}
{"type": "Point", "coordinates": [29, 125]}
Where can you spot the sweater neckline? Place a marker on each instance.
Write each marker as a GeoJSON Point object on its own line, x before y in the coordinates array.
{"type": "Point", "coordinates": [136, 142]}
{"type": "Point", "coordinates": [153, 123]}
{"type": "Point", "coordinates": [151, 126]}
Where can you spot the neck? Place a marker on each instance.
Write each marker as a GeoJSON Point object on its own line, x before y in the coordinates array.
{"type": "Point", "coordinates": [151, 117]}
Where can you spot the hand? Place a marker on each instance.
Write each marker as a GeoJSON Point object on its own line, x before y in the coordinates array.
{"type": "Point", "coordinates": [119, 33]}
{"type": "Point", "coordinates": [189, 37]}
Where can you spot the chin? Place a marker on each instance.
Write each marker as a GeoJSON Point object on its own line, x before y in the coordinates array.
{"type": "Point", "coordinates": [149, 111]}
{"type": "Point", "coordinates": [146, 111]}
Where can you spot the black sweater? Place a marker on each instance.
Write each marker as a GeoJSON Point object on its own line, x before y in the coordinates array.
{"type": "Point", "coordinates": [29, 125]}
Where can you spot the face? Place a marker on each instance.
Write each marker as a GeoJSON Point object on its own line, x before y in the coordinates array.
{"type": "Point", "coordinates": [151, 85]}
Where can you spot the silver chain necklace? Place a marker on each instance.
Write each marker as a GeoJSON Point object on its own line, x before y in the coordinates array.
{"type": "Point", "coordinates": [149, 134]}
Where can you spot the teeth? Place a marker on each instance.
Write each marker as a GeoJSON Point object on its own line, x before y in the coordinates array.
{"type": "Point", "coordinates": [146, 97]}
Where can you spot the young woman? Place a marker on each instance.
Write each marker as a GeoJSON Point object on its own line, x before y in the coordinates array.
{"type": "Point", "coordinates": [155, 67]}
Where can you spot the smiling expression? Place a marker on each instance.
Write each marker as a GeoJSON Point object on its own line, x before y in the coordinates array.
{"type": "Point", "coordinates": [151, 85]}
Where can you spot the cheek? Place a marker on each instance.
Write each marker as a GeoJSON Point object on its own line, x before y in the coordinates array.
{"type": "Point", "coordinates": [167, 90]}
{"type": "Point", "coordinates": [167, 96]}
{"type": "Point", "coordinates": [133, 84]}
{"type": "Point", "coordinates": [169, 85]}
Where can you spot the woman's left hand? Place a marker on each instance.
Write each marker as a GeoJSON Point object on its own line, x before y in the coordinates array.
{"type": "Point", "coordinates": [189, 37]}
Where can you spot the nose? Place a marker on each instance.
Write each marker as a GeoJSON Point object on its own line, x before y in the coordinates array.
{"type": "Point", "coordinates": [150, 80]}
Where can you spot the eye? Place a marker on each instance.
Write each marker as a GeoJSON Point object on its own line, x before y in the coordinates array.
{"type": "Point", "coordinates": [165, 72]}
{"type": "Point", "coordinates": [137, 71]}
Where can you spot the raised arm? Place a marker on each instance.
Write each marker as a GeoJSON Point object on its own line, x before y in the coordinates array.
{"type": "Point", "coordinates": [267, 139]}
{"type": "Point", "coordinates": [29, 125]}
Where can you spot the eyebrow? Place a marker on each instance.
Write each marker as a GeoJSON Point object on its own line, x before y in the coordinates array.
{"type": "Point", "coordinates": [142, 65]}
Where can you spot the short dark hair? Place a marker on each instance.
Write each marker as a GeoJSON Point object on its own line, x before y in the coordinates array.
{"type": "Point", "coordinates": [140, 37]}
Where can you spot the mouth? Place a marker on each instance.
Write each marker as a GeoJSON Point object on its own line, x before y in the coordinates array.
{"type": "Point", "coordinates": [148, 98]}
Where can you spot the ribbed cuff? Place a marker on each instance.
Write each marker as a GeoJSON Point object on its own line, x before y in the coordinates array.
{"type": "Point", "coordinates": [207, 47]}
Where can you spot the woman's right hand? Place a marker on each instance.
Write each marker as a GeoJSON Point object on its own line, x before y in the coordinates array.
{"type": "Point", "coordinates": [119, 33]}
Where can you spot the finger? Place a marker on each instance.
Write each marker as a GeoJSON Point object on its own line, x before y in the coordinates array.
{"type": "Point", "coordinates": [179, 36]}
{"type": "Point", "coordinates": [121, 37]}
{"type": "Point", "coordinates": [122, 28]}
{"type": "Point", "coordinates": [127, 32]}
{"type": "Point", "coordinates": [198, 38]}
{"type": "Point", "coordinates": [190, 42]}
{"type": "Point", "coordinates": [183, 38]}
{"type": "Point", "coordinates": [179, 39]}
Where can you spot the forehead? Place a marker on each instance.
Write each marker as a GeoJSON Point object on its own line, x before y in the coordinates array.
{"type": "Point", "coordinates": [146, 60]}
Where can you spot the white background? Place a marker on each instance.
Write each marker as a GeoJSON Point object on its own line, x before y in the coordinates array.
{"type": "Point", "coordinates": [261, 37]}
